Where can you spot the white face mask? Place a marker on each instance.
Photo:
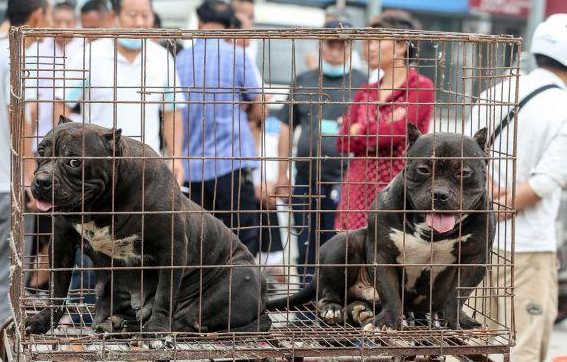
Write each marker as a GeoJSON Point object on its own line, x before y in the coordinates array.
{"type": "Point", "coordinates": [130, 43]}
{"type": "Point", "coordinates": [335, 70]}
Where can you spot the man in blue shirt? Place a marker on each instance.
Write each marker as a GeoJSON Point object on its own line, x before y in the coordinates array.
{"type": "Point", "coordinates": [222, 87]}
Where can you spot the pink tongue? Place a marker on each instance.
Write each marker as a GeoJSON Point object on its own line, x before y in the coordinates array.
{"type": "Point", "coordinates": [440, 222]}
{"type": "Point", "coordinates": [43, 205]}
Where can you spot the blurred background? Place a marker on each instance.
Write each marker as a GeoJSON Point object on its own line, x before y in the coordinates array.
{"type": "Point", "coordinates": [513, 17]}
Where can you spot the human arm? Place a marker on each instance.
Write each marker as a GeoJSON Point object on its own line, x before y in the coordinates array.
{"type": "Point", "coordinates": [389, 131]}
{"type": "Point", "coordinates": [549, 175]}
{"type": "Point", "coordinates": [173, 141]}
{"type": "Point", "coordinates": [286, 116]}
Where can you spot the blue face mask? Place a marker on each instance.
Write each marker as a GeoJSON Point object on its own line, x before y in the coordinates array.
{"type": "Point", "coordinates": [130, 44]}
{"type": "Point", "coordinates": [334, 71]}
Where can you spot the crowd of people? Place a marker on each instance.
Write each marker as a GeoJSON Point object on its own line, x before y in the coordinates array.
{"type": "Point", "coordinates": [211, 132]}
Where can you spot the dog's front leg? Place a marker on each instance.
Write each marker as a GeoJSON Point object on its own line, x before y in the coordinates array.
{"type": "Point", "coordinates": [61, 254]}
{"type": "Point", "coordinates": [463, 284]}
{"type": "Point", "coordinates": [102, 305]}
{"type": "Point", "coordinates": [169, 282]}
{"type": "Point", "coordinates": [388, 286]}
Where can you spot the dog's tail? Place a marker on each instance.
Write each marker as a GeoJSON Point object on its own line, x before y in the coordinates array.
{"type": "Point", "coordinates": [295, 300]}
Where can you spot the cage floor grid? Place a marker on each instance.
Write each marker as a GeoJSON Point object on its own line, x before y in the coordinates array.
{"type": "Point", "coordinates": [288, 338]}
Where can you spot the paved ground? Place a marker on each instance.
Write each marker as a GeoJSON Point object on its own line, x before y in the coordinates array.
{"type": "Point", "coordinates": [558, 344]}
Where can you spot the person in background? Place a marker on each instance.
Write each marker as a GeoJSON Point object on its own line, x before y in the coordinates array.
{"type": "Point", "coordinates": [131, 58]}
{"type": "Point", "coordinates": [53, 53]}
{"type": "Point", "coordinates": [375, 73]}
{"type": "Point", "coordinates": [541, 172]}
{"type": "Point", "coordinates": [96, 14]}
{"type": "Point", "coordinates": [35, 14]}
{"type": "Point", "coordinates": [244, 12]}
{"type": "Point", "coordinates": [319, 128]}
{"type": "Point", "coordinates": [64, 16]}
{"type": "Point", "coordinates": [158, 66]}
{"type": "Point", "coordinates": [4, 27]}
{"type": "Point", "coordinates": [264, 182]}
{"type": "Point", "coordinates": [374, 128]}
{"type": "Point", "coordinates": [217, 132]}
{"type": "Point", "coordinates": [332, 13]}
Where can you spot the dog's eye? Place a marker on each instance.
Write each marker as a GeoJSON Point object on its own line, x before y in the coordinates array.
{"type": "Point", "coordinates": [423, 169]}
{"type": "Point", "coordinates": [465, 172]}
{"type": "Point", "coordinates": [40, 152]}
{"type": "Point", "coordinates": [74, 163]}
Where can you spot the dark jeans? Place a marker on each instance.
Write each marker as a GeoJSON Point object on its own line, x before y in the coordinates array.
{"type": "Point", "coordinates": [233, 195]}
{"type": "Point", "coordinates": [305, 204]}
{"type": "Point", "coordinates": [82, 286]}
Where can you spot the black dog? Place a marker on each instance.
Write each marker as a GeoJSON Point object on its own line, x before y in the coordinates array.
{"type": "Point", "coordinates": [431, 231]}
{"type": "Point", "coordinates": [177, 233]}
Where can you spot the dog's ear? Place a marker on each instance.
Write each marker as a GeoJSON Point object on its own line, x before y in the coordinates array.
{"type": "Point", "coordinates": [481, 136]}
{"type": "Point", "coordinates": [112, 137]}
{"type": "Point", "coordinates": [413, 133]}
{"type": "Point", "coordinates": [63, 120]}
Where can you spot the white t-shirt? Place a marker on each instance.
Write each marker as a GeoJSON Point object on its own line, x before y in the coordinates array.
{"type": "Point", "coordinates": [4, 121]}
{"type": "Point", "coordinates": [541, 155]}
{"type": "Point", "coordinates": [150, 78]}
{"type": "Point", "coordinates": [52, 59]}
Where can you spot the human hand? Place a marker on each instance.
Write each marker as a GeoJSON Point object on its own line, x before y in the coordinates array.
{"type": "Point", "coordinates": [355, 129]}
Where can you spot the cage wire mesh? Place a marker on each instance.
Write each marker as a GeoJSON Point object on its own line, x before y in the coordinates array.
{"type": "Point", "coordinates": [204, 96]}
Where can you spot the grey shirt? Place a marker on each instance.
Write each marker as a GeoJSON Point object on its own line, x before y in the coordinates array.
{"type": "Point", "coordinates": [303, 106]}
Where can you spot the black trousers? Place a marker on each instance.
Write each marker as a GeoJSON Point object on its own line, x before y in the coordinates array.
{"type": "Point", "coordinates": [231, 199]}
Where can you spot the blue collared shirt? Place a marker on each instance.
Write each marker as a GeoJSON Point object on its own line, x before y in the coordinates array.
{"type": "Point", "coordinates": [216, 77]}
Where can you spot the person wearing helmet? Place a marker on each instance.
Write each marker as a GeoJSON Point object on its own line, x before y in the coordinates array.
{"type": "Point", "coordinates": [541, 172]}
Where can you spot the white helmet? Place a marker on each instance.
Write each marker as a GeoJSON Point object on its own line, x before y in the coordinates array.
{"type": "Point", "coordinates": [550, 38]}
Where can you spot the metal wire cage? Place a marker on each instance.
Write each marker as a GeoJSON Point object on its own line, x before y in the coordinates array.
{"type": "Point", "coordinates": [472, 83]}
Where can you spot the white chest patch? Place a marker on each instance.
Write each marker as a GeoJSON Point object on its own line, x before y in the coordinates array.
{"type": "Point", "coordinates": [101, 240]}
{"type": "Point", "coordinates": [415, 250]}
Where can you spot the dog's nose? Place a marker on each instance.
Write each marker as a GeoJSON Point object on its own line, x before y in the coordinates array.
{"type": "Point", "coordinates": [43, 182]}
{"type": "Point", "coordinates": [440, 195]}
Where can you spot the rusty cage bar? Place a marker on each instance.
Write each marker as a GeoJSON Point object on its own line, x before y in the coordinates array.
{"type": "Point", "coordinates": [473, 82]}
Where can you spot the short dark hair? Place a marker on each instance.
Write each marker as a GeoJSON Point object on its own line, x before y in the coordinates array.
{"type": "Point", "coordinates": [18, 12]}
{"type": "Point", "coordinates": [157, 21]}
{"type": "Point", "coordinates": [543, 61]}
{"type": "Point", "coordinates": [117, 5]}
{"type": "Point", "coordinates": [216, 11]}
{"type": "Point", "coordinates": [64, 6]}
{"type": "Point", "coordinates": [95, 5]}
{"type": "Point", "coordinates": [398, 19]}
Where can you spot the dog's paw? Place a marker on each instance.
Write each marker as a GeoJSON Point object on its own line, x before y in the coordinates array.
{"type": "Point", "coordinates": [360, 313]}
{"type": "Point", "coordinates": [39, 323]}
{"type": "Point", "coordinates": [331, 313]}
{"type": "Point", "coordinates": [160, 343]}
{"type": "Point", "coordinates": [385, 320]}
{"type": "Point", "coordinates": [115, 323]}
{"type": "Point", "coordinates": [465, 322]}
{"type": "Point", "coordinates": [155, 325]}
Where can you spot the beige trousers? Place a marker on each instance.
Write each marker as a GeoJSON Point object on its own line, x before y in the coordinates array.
{"type": "Point", "coordinates": [535, 302]}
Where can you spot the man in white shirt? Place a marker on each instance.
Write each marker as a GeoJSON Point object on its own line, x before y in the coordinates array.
{"type": "Point", "coordinates": [50, 55]}
{"type": "Point", "coordinates": [125, 84]}
{"type": "Point", "coordinates": [95, 14]}
{"type": "Point", "coordinates": [541, 173]}
{"type": "Point", "coordinates": [33, 13]}
{"type": "Point", "coordinates": [140, 77]}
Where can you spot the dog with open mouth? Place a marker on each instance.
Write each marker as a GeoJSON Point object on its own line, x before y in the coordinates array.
{"type": "Point", "coordinates": [114, 197]}
{"type": "Point", "coordinates": [432, 216]}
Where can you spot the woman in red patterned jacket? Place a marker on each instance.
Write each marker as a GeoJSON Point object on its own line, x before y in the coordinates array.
{"type": "Point", "coordinates": [374, 128]}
